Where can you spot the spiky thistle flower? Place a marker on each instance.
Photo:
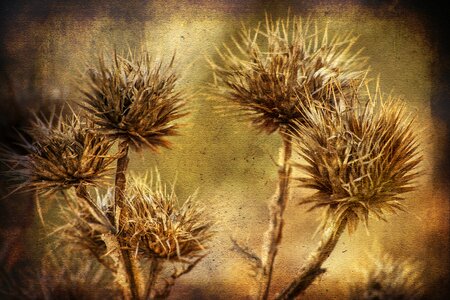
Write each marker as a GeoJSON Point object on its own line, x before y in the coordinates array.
{"type": "Point", "coordinates": [272, 70]}
{"type": "Point", "coordinates": [59, 278]}
{"type": "Point", "coordinates": [390, 279]}
{"type": "Point", "coordinates": [152, 222]}
{"type": "Point", "coordinates": [84, 227]}
{"type": "Point", "coordinates": [65, 152]}
{"type": "Point", "coordinates": [151, 225]}
{"type": "Point", "coordinates": [360, 157]}
{"type": "Point", "coordinates": [159, 226]}
{"type": "Point", "coordinates": [134, 99]}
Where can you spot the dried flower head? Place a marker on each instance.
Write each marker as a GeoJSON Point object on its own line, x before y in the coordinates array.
{"type": "Point", "coordinates": [65, 153]}
{"type": "Point", "coordinates": [390, 279]}
{"type": "Point", "coordinates": [58, 278]}
{"type": "Point", "coordinates": [151, 222]}
{"type": "Point", "coordinates": [272, 70]}
{"type": "Point", "coordinates": [85, 227]}
{"type": "Point", "coordinates": [360, 157]}
{"type": "Point", "coordinates": [156, 224]}
{"type": "Point", "coordinates": [135, 100]}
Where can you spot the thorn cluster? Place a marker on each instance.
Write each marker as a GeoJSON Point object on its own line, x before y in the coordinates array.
{"type": "Point", "coordinates": [273, 70]}
{"type": "Point", "coordinates": [134, 99]}
{"type": "Point", "coordinates": [65, 152]}
{"type": "Point", "coordinates": [151, 223]}
{"type": "Point", "coordinates": [390, 278]}
{"type": "Point", "coordinates": [360, 155]}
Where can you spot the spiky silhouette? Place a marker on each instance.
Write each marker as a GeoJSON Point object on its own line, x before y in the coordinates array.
{"type": "Point", "coordinates": [65, 152]}
{"type": "Point", "coordinates": [387, 278]}
{"type": "Point", "coordinates": [271, 71]}
{"type": "Point", "coordinates": [268, 77]}
{"type": "Point", "coordinates": [134, 99]}
{"type": "Point", "coordinates": [361, 155]}
{"type": "Point", "coordinates": [360, 158]}
{"type": "Point", "coordinates": [152, 224]}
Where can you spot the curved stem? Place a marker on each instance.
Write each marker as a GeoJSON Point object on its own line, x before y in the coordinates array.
{"type": "Point", "coordinates": [83, 194]}
{"type": "Point", "coordinates": [313, 266]}
{"type": "Point", "coordinates": [272, 237]}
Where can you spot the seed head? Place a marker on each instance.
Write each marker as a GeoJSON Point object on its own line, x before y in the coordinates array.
{"type": "Point", "coordinates": [390, 278]}
{"type": "Point", "coordinates": [84, 227]}
{"type": "Point", "coordinates": [134, 100]}
{"type": "Point", "coordinates": [272, 70]}
{"type": "Point", "coordinates": [156, 224]}
{"type": "Point", "coordinates": [151, 223]}
{"type": "Point", "coordinates": [65, 152]}
{"type": "Point", "coordinates": [58, 277]}
{"type": "Point", "coordinates": [361, 156]}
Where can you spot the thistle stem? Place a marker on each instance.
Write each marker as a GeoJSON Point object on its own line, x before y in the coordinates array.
{"type": "Point", "coordinates": [119, 196]}
{"type": "Point", "coordinates": [121, 179]}
{"type": "Point", "coordinates": [152, 277]}
{"type": "Point", "coordinates": [313, 266]}
{"type": "Point", "coordinates": [272, 237]}
{"type": "Point", "coordinates": [82, 193]}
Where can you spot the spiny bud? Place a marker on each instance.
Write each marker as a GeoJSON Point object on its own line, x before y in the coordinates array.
{"type": "Point", "coordinates": [361, 156]}
{"type": "Point", "coordinates": [271, 71]}
{"type": "Point", "coordinates": [134, 99]}
{"type": "Point", "coordinates": [390, 278]}
{"type": "Point", "coordinates": [65, 152]}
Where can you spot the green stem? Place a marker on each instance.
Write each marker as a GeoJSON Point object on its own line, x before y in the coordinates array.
{"type": "Point", "coordinates": [313, 266]}
{"type": "Point", "coordinates": [273, 235]}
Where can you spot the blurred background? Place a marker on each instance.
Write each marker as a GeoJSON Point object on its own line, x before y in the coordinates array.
{"type": "Point", "coordinates": [46, 45]}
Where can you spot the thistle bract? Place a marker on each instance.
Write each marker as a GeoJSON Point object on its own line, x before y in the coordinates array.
{"type": "Point", "coordinates": [159, 226]}
{"type": "Point", "coordinates": [272, 70]}
{"type": "Point", "coordinates": [151, 222]}
{"type": "Point", "coordinates": [390, 278]}
{"type": "Point", "coordinates": [361, 156]}
{"type": "Point", "coordinates": [65, 153]}
{"type": "Point", "coordinates": [135, 100]}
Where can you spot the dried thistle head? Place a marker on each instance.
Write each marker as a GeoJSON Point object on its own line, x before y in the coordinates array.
{"type": "Point", "coordinates": [134, 99]}
{"type": "Point", "coordinates": [84, 228]}
{"type": "Point", "coordinates": [58, 277]}
{"type": "Point", "coordinates": [360, 156]}
{"type": "Point", "coordinates": [390, 279]}
{"type": "Point", "coordinates": [65, 152]}
{"type": "Point", "coordinates": [154, 223]}
{"type": "Point", "coordinates": [272, 70]}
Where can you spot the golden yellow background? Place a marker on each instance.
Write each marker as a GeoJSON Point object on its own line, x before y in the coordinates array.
{"type": "Point", "coordinates": [227, 160]}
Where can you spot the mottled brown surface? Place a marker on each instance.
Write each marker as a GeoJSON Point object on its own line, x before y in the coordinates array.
{"type": "Point", "coordinates": [230, 162]}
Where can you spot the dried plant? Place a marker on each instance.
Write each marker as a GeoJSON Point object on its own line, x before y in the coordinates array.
{"type": "Point", "coordinates": [65, 153]}
{"type": "Point", "coordinates": [84, 227]}
{"type": "Point", "coordinates": [159, 228]}
{"type": "Point", "coordinates": [58, 278]}
{"type": "Point", "coordinates": [268, 78]}
{"type": "Point", "coordinates": [272, 70]}
{"type": "Point", "coordinates": [134, 100]}
{"type": "Point", "coordinates": [360, 158]}
{"type": "Point", "coordinates": [152, 225]}
{"type": "Point", "coordinates": [390, 279]}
